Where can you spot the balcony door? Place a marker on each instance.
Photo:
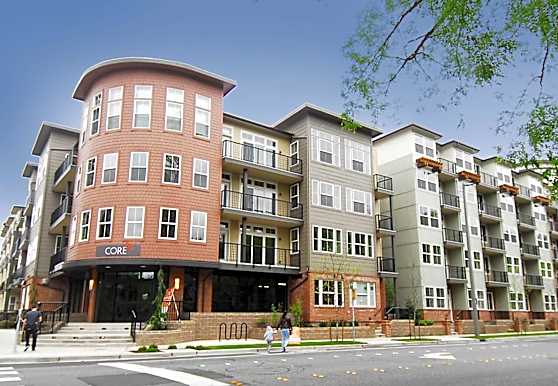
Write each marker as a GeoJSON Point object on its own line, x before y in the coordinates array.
{"type": "Point", "coordinates": [490, 300]}
{"type": "Point", "coordinates": [260, 197]}
{"type": "Point", "coordinates": [259, 149]}
{"type": "Point", "coordinates": [260, 246]}
{"type": "Point", "coordinates": [223, 241]}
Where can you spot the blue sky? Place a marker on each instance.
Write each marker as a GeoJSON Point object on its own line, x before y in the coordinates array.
{"type": "Point", "coordinates": [281, 53]}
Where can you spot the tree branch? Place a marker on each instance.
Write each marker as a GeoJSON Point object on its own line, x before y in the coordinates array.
{"type": "Point", "coordinates": [543, 67]}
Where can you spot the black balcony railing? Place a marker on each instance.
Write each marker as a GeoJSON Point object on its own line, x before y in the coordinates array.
{"type": "Point", "coordinates": [554, 226]}
{"type": "Point", "coordinates": [490, 210]}
{"type": "Point", "coordinates": [383, 182]}
{"type": "Point", "coordinates": [489, 179]}
{"type": "Point", "coordinates": [64, 208]}
{"type": "Point", "coordinates": [530, 249]}
{"type": "Point", "coordinates": [384, 222]}
{"type": "Point", "coordinates": [258, 255]}
{"type": "Point", "coordinates": [497, 276]}
{"type": "Point", "coordinates": [69, 161]}
{"type": "Point", "coordinates": [448, 166]}
{"type": "Point", "coordinates": [455, 272]}
{"type": "Point", "coordinates": [449, 199]}
{"type": "Point", "coordinates": [534, 280]}
{"type": "Point", "coordinates": [493, 242]}
{"type": "Point", "coordinates": [30, 199]}
{"type": "Point", "coordinates": [260, 204]}
{"type": "Point", "coordinates": [523, 190]}
{"type": "Point", "coordinates": [57, 258]}
{"type": "Point", "coordinates": [524, 219]}
{"type": "Point", "coordinates": [248, 152]}
{"type": "Point", "coordinates": [453, 235]}
{"type": "Point", "coordinates": [386, 264]}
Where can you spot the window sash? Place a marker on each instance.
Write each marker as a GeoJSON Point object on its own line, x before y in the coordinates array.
{"type": "Point", "coordinates": [104, 223]}
{"type": "Point", "coordinates": [134, 222]}
{"type": "Point", "coordinates": [85, 224]}
{"type": "Point", "coordinates": [91, 167]}
{"type": "Point", "coordinates": [110, 165]}
{"type": "Point", "coordinates": [168, 223]}
{"type": "Point", "coordinates": [172, 169]}
{"type": "Point", "coordinates": [198, 225]}
{"type": "Point", "coordinates": [139, 162]}
{"type": "Point", "coordinates": [200, 177]}
{"type": "Point", "coordinates": [295, 240]}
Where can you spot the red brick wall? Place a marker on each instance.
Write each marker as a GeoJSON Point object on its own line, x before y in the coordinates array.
{"type": "Point", "coordinates": [154, 194]}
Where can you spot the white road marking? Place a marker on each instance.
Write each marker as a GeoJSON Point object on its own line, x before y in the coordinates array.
{"type": "Point", "coordinates": [12, 372]}
{"type": "Point", "coordinates": [439, 355]}
{"type": "Point", "coordinates": [172, 375]}
{"type": "Point", "coordinates": [6, 368]}
{"type": "Point", "coordinates": [10, 379]}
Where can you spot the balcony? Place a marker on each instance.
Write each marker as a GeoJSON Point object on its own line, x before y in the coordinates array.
{"type": "Point", "coordinates": [386, 267]}
{"type": "Point", "coordinates": [429, 163]}
{"type": "Point", "coordinates": [56, 260]}
{"type": "Point", "coordinates": [383, 186]}
{"type": "Point", "coordinates": [523, 195]}
{"type": "Point", "coordinates": [489, 214]}
{"type": "Point", "coordinates": [28, 210]}
{"type": "Point", "coordinates": [65, 173]}
{"type": "Point", "coordinates": [449, 170]}
{"type": "Point", "coordinates": [469, 176]}
{"type": "Point", "coordinates": [456, 274]}
{"type": "Point", "coordinates": [488, 183]}
{"type": "Point", "coordinates": [543, 200]}
{"type": "Point", "coordinates": [553, 230]}
{"type": "Point", "coordinates": [493, 246]}
{"type": "Point", "coordinates": [261, 163]}
{"type": "Point", "coordinates": [533, 281]}
{"type": "Point", "coordinates": [509, 189]}
{"type": "Point", "coordinates": [529, 251]}
{"type": "Point", "coordinates": [384, 225]}
{"type": "Point", "coordinates": [497, 279]}
{"type": "Point", "coordinates": [24, 243]}
{"type": "Point", "coordinates": [449, 203]}
{"type": "Point", "coordinates": [266, 210]}
{"type": "Point", "coordinates": [257, 257]}
{"type": "Point", "coordinates": [453, 238]}
{"type": "Point", "coordinates": [60, 217]}
{"type": "Point", "coordinates": [525, 223]}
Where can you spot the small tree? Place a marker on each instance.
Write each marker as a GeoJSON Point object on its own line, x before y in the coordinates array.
{"type": "Point", "coordinates": [157, 321]}
{"type": "Point", "coordinates": [296, 311]}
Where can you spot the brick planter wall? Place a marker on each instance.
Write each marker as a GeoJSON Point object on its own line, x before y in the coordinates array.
{"type": "Point", "coordinates": [325, 333]}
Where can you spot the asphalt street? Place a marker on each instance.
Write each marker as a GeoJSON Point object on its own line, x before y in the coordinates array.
{"type": "Point", "coordinates": [528, 361]}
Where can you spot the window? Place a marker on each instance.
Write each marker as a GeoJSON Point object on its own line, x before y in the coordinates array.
{"type": "Point", "coordinates": [198, 225]}
{"type": "Point", "coordinates": [481, 303]}
{"type": "Point", "coordinates": [104, 223]}
{"type": "Point", "coordinates": [95, 114]}
{"type": "Point", "coordinates": [295, 244]}
{"type": "Point", "coordinates": [359, 244]}
{"type": "Point", "coordinates": [431, 254]}
{"type": "Point", "coordinates": [114, 108]}
{"type": "Point", "coordinates": [328, 293]}
{"type": "Point", "coordinates": [84, 225]}
{"type": "Point", "coordinates": [142, 106]}
{"type": "Point", "coordinates": [550, 302]}
{"type": "Point", "coordinates": [168, 223]}
{"type": "Point", "coordinates": [474, 231]}
{"type": "Point", "coordinates": [357, 157]}
{"type": "Point", "coordinates": [110, 165]}
{"type": "Point", "coordinates": [203, 116]}
{"type": "Point", "coordinates": [513, 265]}
{"type": "Point", "coordinates": [358, 201]}
{"type": "Point", "coordinates": [201, 174]}
{"type": "Point", "coordinates": [325, 147]}
{"type": "Point", "coordinates": [90, 172]}
{"type": "Point", "coordinates": [477, 263]}
{"type": "Point", "coordinates": [327, 240]}
{"type": "Point", "coordinates": [546, 269]}
{"type": "Point", "coordinates": [78, 179]}
{"type": "Point", "coordinates": [365, 295]}
{"type": "Point", "coordinates": [426, 254]}
{"type": "Point", "coordinates": [138, 166]}
{"type": "Point", "coordinates": [71, 236]}
{"type": "Point", "coordinates": [429, 217]}
{"type": "Point", "coordinates": [171, 169]}
{"type": "Point", "coordinates": [84, 121]}
{"type": "Point", "coordinates": [12, 303]}
{"type": "Point", "coordinates": [424, 146]}
{"type": "Point", "coordinates": [517, 301]}
{"type": "Point", "coordinates": [174, 109]}
{"type": "Point", "coordinates": [326, 194]}
{"type": "Point", "coordinates": [434, 297]}
{"type": "Point", "coordinates": [134, 222]}
{"type": "Point", "coordinates": [295, 196]}
{"type": "Point", "coordinates": [424, 183]}
{"type": "Point", "coordinates": [294, 154]}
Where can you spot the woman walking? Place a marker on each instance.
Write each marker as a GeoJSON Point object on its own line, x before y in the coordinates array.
{"type": "Point", "coordinates": [286, 328]}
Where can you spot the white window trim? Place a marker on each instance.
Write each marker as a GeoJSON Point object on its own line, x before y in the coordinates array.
{"type": "Point", "coordinates": [429, 226]}
{"type": "Point", "coordinates": [81, 225]}
{"type": "Point", "coordinates": [204, 109]}
{"type": "Point", "coordinates": [336, 148]}
{"type": "Point", "coordinates": [297, 230]}
{"type": "Point", "coordinates": [194, 173]}
{"type": "Point", "coordinates": [349, 195]}
{"type": "Point", "coordinates": [179, 169]}
{"type": "Point", "coordinates": [85, 186]}
{"type": "Point", "coordinates": [336, 200]}
{"type": "Point", "coordinates": [150, 107]}
{"type": "Point", "coordinates": [146, 168]}
{"type": "Point", "coordinates": [126, 222]}
{"type": "Point", "coordinates": [167, 101]}
{"type": "Point", "coordinates": [350, 148]}
{"type": "Point", "coordinates": [92, 108]}
{"type": "Point", "coordinates": [297, 145]}
{"type": "Point", "coordinates": [435, 298]}
{"type": "Point", "coordinates": [371, 289]}
{"type": "Point", "coordinates": [192, 213]}
{"type": "Point", "coordinates": [109, 101]}
{"type": "Point", "coordinates": [432, 254]}
{"type": "Point", "coordinates": [99, 223]}
{"type": "Point", "coordinates": [335, 294]}
{"type": "Point", "coordinates": [71, 236]}
{"type": "Point", "coordinates": [368, 236]}
{"type": "Point", "coordinates": [115, 170]}
{"type": "Point", "coordinates": [335, 241]}
{"type": "Point", "coordinates": [160, 224]}
{"type": "Point", "coordinates": [297, 195]}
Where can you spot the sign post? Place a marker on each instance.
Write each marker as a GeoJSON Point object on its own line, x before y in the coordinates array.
{"type": "Point", "coordinates": [353, 300]}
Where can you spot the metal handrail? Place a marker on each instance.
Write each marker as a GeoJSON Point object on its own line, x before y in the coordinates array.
{"type": "Point", "coordinates": [535, 280]}
{"type": "Point", "coordinates": [57, 258]}
{"type": "Point", "coordinates": [258, 256]}
{"type": "Point", "coordinates": [384, 222]}
{"type": "Point", "coordinates": [530, 249]}
{"type": "Point", "coordinates": [69, 161]}
{"type": "Point", "coordinates": [489, 179]}
{"type": "Point", "coordinates": [449, 199]}
{"type": "Point", "coordinates": [247, 152]}
{"type": "Point", "coordinates": [64, 208]}
{"type": "Point", "coordinates": [493, 242]}
{"type": "Point", "coordinates": [523, 190]}
{"type": "Point", "coordinates": [523, 219]}
{"type": "Point", "coordinates": [383, 182]}
{"type": "Point", "coordinates": [490, 210]}
{"type": "Point", "coordinates": [448, 166]}
{"type": "Point", "coordinates": [453, 235]}
{"type": "Point", "coordinates": [497, 276]}
{"type": "Point", "coordinates": [386, 264]}
{"type": "Point", "coordinates": [455, 272]}
{"type": "Point", "coordinates": [260, 204]}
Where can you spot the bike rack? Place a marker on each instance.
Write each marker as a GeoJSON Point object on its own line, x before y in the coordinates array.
{"type": "Point", "coordinates": [233, 331]}
{"type": "Point", "coordinates": [221, 329]}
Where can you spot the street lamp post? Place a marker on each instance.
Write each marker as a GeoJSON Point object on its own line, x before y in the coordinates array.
{"type": "Point", "coordinates": [476, 325]}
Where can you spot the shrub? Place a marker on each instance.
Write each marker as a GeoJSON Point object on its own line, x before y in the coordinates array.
{"type": "Point", "coordinates": [7, 324]}
{"type": "Point", "coordinates": [274, 315]}
{"type": "Point", "coordinates": [172, 347]}
{"type": "Point", "coordinates": [296, 312]}
{"type": "Point", "coordinates": [142, 349]}
{"type": "Point", "coordinates": [199, 348]}
{"type": "Point", "coordinates": [423, 322]}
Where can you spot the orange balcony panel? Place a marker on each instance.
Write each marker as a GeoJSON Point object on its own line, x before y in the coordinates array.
{"type": "Point", "coordinates": [543, 200]}
{"type": "Point", "coordinates": [425, 162]}
{"type": "Point", "coordinates": [473, 177]}
{"type": "Point", "coordinates": [505, 188]}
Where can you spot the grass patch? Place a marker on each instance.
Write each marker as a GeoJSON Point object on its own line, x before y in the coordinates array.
{"type": "Point", "coordinates": [514, 335]}
{"type": "Point", "coordinates": [275, 345]}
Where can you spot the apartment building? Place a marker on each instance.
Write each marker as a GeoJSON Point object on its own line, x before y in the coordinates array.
{"type": "Point", "coordinates": [442, 189]}
{"type": "Point", "coordinates": [12, 258]}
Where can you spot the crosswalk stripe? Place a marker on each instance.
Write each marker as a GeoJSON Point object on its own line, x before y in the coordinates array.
{"type": "Point", "coordinates": [12, 372]}
{"type": "Point", "coordinates": [10, 379]}
{"type": "Point", "coordinates": [6, 368]}
{"type": "Point", "coordinates": [176, 376]}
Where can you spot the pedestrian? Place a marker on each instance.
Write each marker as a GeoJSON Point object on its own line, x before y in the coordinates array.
{"type": "Point", "coordinates": [268, 336]}
{"type": "Point", "coordinates": [31, 325]}
{"type": "Point", "coordinates": [286, 328]}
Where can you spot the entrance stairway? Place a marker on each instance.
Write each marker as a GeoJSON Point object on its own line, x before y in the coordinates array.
{"type": "Point", "coordinates": [89, 335]}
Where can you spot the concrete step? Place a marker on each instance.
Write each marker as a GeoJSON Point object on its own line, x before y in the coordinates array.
{"type": "Point", "coordinates": [87, 345]}
{"type": "Point", "coordinates": [93, 333]}
{"type": "Point", "coordinates": [86, 337]}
